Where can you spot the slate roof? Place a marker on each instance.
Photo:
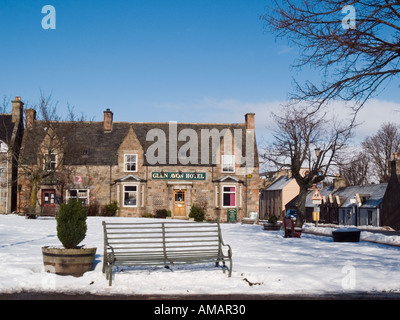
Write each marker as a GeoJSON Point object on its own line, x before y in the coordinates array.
{"type": "Point", "coordinates": [6, 128]}
{"type": "Point", "coordinates": [86, 143]}
{"type": "Point", "coordinates": [375, 191]}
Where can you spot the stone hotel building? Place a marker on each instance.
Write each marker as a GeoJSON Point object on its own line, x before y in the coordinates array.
{"type": "Point", "coordinates": [144, 167]}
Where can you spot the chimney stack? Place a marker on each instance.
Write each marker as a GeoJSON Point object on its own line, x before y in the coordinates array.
{"type": "Point", "coordinates": [339, 182]}
{"type": "Point", "coordinates": [17, 110]}
{"type": "Point", "coordinates": [30, 117]}
{"type": "Point", "coordinates": [108, 120]}
{"type": "Point", "coordinates": [395, 164]}
{"type": "Point", "coordinates": [250, 120]}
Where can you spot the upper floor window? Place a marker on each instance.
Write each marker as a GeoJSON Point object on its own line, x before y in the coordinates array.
{"type": "Point", "coordinates": [228, 163]}
{"type": "Point", "coordinates": [50, 162]}
{"type": "Point", "coordinates": [130, 162]}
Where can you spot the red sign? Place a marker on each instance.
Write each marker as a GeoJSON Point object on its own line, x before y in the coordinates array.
{"type": "Point", "coordinates": [316, 196]}
{"type": "Point", "coordinates": [77, 179]}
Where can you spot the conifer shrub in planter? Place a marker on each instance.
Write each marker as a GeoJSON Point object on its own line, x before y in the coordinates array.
{"type": "Point", "coordinates": [272, 223]}
{"type": "Point", "coordinates": [71, 231]}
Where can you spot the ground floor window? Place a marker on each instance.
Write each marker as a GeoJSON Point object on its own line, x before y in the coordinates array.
{"type": "Point", "coordinates": [370, 217]}
{"type": "Point", "coordinates": [229, 196]}
{"type": "Point", "coordinates": [48, 197]}
{"type": "Point", "coordinates": [79, 194]}
{"type": "Point", "coordinates": [130, 196]}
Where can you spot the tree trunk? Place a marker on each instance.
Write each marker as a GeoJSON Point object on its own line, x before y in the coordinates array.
{"type": "Point", "coordinates": [32, 204]}
{"type": "Point", "coordinates": [301, 206]}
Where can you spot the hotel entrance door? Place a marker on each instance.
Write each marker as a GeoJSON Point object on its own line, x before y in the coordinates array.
{"type": "Point", "coordinates": [179, 203]}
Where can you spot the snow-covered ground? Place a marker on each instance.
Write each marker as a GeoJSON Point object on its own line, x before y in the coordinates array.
{"type": "Point", "coordinates": [263, 263]}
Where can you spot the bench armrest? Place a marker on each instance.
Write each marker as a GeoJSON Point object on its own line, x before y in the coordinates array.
{"type": "Point", "coordinates": [229, 249]}
{"type": "Point", "coordinates": [109, 254]}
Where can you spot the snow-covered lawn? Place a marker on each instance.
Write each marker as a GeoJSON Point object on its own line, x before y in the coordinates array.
{"type": "Point", "coordinates": [263, 263]}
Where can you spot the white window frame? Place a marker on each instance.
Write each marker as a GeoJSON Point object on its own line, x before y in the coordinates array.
{"type": "Point", "coordinates": [223, 192]}
{"type": "Point", "coordinates": [217, 197]}
{"type": "Point", "coordinates": [142, 196]}
{"type": "Point", "coordinates": [240, 197]}
{"type": "Point", "coordinates": [228, 163]}
{"type": "Point", "coordinates": [87, 197]}
{"type": "Point", "coordinates": [45, 156]}
{"type": "Point", "coordinates": [126, 163]}
{"type": "Point", "coordinates": [137, 196]}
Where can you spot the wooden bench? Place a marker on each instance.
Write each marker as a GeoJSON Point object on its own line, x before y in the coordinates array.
{"type": "Point", "coordinates": [163, 243]}
{"type": "Point", "coordinates": [290, 230]}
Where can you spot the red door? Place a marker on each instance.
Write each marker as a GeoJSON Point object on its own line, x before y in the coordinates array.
{"type": "Point", "coordinates": [48, 202]}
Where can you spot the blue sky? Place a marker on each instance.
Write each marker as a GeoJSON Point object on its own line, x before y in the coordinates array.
{"type": "Point", "coordinates": [152, 60]}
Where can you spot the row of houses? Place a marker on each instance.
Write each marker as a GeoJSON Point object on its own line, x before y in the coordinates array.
{"type": "Point", "coordinates": [143, 167]}
{"type": "Point", "coordinates": [365, 205]}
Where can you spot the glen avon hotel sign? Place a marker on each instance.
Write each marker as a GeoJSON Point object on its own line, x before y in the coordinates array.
{"type": "Point", "coordinates": [178, 176]}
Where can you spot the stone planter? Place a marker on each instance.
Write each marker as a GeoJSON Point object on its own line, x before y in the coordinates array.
{"type": "Point", "coordinates": [346, 235]}
{"type": "Point", "coordinates": [74, 262]}
{"type": "Point", "coordinates": [272, 226]}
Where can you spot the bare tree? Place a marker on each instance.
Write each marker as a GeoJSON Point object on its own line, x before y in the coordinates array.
{"type": "Point", "coordinates": [44, 146]}
{"type": "Point", "coordinates": [380, 148]}
{"type": "Point", "coordinates": [308, 141]}
{"type": "Point", "coordinates": [356, 170]}
{"type": "Point", "coordinates": [355, 44]}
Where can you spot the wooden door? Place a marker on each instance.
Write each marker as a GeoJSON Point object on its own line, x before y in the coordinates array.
{"type": "Point", "coordinates": [48, 202]}
{"type": "Point", "coordinates": [179, 203]}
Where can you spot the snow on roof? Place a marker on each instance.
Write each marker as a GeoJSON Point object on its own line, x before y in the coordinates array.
{"type": "Point", "coordinates": [279, 184]}
{"type": "Point", "coordinates": [371, 194]}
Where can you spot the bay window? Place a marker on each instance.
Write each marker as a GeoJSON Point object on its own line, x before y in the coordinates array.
{"type": "Point", "coordinates": [130, 196]}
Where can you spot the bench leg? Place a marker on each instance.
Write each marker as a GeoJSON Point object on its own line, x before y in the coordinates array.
{"type": "Point", "coordinates": [109, 273]}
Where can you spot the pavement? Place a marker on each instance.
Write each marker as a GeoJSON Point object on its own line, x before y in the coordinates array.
{"type": "Point", "coordinates": [224, 297]}
{"type": "Point", "coordinates": [384, 232]}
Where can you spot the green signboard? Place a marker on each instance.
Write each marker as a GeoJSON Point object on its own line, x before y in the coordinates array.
{"type": "Point", "coordinates": [232, 215]}
{"type": "Point", "coordinates": [178, 176]}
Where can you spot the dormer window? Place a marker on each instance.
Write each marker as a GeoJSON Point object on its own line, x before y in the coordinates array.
{"type": "Point", "coordinates": [130, 162]}
{"type": "Point", "coordinates": [228, 163]}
